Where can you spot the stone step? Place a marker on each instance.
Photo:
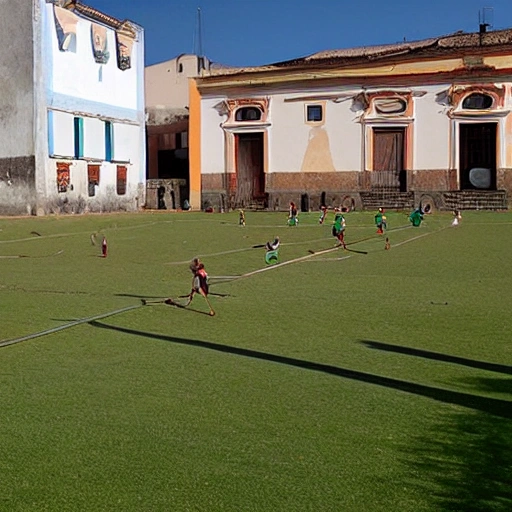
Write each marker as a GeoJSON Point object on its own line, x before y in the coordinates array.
{"type": "Point", "coordinates": [476, 200]}
{"type": "Point", "coordinates": [388, 200]}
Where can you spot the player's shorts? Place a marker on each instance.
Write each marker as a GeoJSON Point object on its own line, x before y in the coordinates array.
{"type": "Point", "coordinates": [200, 284]}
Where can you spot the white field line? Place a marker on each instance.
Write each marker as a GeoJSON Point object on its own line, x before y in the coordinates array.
{"type": "Point", "coordinates": [6, 343]}
{"type": "Point", "coordinates": [327, 259]}
{"type": "Point", "coordinates": [419, 236]}
{"type": "Point", "coordinates": [279, 265]}
{"type": "Point", "coordinates": [244, 249]}
{"type": "Point", "coordinates": [101, 230]}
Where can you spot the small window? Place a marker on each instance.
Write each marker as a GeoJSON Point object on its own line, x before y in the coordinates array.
{"type": "Point", "coordinates": [314, 113]}
{"type": "Point", "coordinates": [477, 101]}
{"type": "Point", "coordinates": [248, 114]}
{"type": "Point", "coordinates": [121, 180]}
{"type": "Point", "coordinates": [180, 68]}
{"type": "Point", "coordinates": [79, 137]}
{"type": "Point", "coordinates": [93, 175]}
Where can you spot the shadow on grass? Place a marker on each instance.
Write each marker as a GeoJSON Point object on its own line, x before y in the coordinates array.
{"type": "Point", "coordinates": [482, 365]}
{"type": "Point", "coordinates": [467, 458]}
{"type": "Point", "coordinates": [495, 406]}
{"type": "Point", "coordinates": [137, 296]}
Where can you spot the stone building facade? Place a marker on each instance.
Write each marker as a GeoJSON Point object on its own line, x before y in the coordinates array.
{"type": "Point", "coordinates": [396, 125]}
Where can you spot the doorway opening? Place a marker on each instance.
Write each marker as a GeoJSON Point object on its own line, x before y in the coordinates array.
{"type": "Point", "coordinates": [250, 171]}
{"type": "Point", "coordinates": [477, 156]}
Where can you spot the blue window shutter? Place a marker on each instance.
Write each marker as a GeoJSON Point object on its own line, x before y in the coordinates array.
{"type": "Point", "coordinates": [79, 137]}
{"type": "Point", "coordinates": [108, 141]}
{"type": "Point", "coordinates": [51, 144]}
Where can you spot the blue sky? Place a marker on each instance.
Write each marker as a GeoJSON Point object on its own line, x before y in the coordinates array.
{"type": "Point", "coordinates": [257, 32]}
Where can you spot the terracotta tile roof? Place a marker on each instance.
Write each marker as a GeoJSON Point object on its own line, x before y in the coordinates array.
{"type": "Point", "coordinates": [349, 56]}
{"type": "Point", "coordinates": [94, 14]}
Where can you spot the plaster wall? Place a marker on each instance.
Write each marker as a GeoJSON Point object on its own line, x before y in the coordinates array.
{"type": "Point", "coordinates": [166, 83]}
{"type": "Point", "coordinates": [74, 74]}
{"type": "Point", "coordinates": [16, 80]}
{"type": "Point", "coordinates": [296, 145]}
{"type": "Point", "coordinates": [212, 137]}
{"type": "Point", "coordinates": [431, 130]}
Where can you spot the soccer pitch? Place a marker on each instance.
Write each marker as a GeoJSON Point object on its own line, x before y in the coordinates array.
{"type": "Point", "coordinates": [358, 380]}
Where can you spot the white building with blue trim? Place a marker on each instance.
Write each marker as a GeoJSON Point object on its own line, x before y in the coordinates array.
{"type": "Point", "coordinates": [72, 120]}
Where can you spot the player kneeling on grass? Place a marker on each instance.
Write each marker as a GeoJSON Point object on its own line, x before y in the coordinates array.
{"type": "Point", "coordinates": [416, 217]}
{"type": "Point", "coordinates": [272, 253]}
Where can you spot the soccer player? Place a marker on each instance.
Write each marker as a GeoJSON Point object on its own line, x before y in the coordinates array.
{"type": "Point", "coordinates": [380, 221]}
{"type": "Point", "coordinates": [338, 228]}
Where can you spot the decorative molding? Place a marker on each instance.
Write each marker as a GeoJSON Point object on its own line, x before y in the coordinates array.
{"type": "Point", "coordinates": [456, 94]}
{"type": "Point", "coordinates": [230, 106]}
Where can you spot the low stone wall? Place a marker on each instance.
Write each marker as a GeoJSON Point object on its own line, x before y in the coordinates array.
{"type": "Point", "coordinates": [309, 190]}
{"type": "Point", "coordinates": [172, 198]}
{"type": "Point", "coordinates": [17, 178]}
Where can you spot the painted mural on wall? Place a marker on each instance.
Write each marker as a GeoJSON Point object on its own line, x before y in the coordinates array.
{"type": "Point", "coordinates": [65, 23]}
{"type": "Point", "coordinates": [63, 176]}
{"type": "Point", "coordinates": [124, 50]}
{"type": "Point", "coordinates": [99, 43]}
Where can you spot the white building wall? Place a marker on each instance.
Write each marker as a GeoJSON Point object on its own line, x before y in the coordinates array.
{"type": "Point", "coordinates": [125, 147]}
{"type": "Point", "coordinates": [75, 74]}
{"type": "Point", "coordinates": [77, 86]}
{"type": "Point", "coordinates": [431, 130]}
{"type": "Point", "coordinates": [290, 134]}
{"type": "Point", "coordinates": [212, 137]}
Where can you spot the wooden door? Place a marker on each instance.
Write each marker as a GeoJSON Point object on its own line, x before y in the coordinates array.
{"type": "Point", "coordinates": [249, 168]}
{"type": "Point", "coordinates": [388, 158]}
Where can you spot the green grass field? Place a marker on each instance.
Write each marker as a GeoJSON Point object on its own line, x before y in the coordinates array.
{"type": "Point", "coordinates": [338, 382]}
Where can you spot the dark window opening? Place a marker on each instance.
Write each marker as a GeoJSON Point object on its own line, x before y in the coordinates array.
{"type": "Point", "coordinates": [478, 155]}
{"type": "Point", "coordinates": [315, 113]}
{"type": "Point", "coordinates": [173, 164]}
{"type": "Point", "coordinates": [248, 114]}
{"type": "Point", "coordinates": [161, 198]}
{"type": "Point", "coordinates": [477, 101]}
{"type": "Point", "coordinates": [180, 68]}
{"type": "Point", "coordinates": [93, 177]}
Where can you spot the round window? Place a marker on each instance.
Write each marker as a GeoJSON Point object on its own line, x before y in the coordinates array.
{"type": "Point", "coordinates": [477, 101]}
{"type": "Point", "coordinates": [248, 114]}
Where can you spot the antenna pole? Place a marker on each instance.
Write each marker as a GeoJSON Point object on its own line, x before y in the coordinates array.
{"type": "Point", "coordinates": [200, 33]}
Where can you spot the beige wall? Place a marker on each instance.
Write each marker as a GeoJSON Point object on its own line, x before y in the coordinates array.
{"type": "Point", "coordinates": [167, 82]}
